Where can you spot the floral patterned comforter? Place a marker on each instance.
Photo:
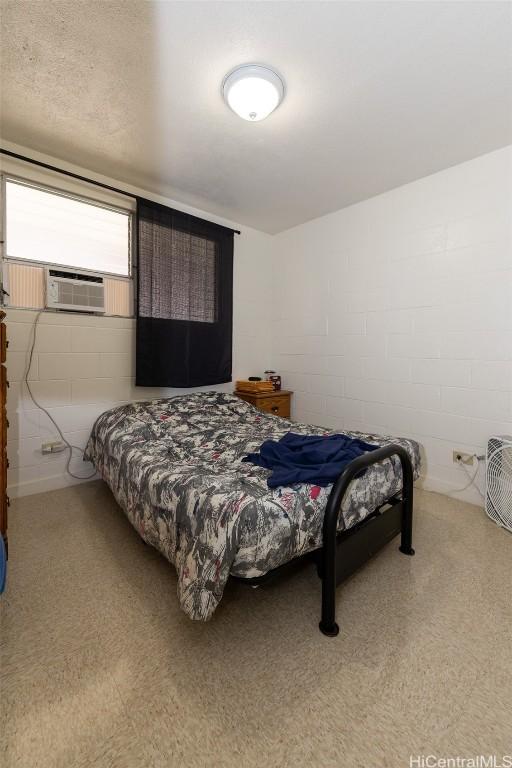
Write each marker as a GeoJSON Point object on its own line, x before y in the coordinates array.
{"type": "Point", "coordinates": [174, 466]}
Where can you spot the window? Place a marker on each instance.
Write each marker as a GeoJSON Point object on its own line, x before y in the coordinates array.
{"type": "Point", "coordinates": [50, 227]}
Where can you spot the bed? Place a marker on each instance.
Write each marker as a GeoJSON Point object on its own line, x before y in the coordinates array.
{"type": "Point", "coordinates": [175, 467]}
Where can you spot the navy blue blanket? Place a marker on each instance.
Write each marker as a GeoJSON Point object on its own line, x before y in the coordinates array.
{"type": "Point", "coordinates": [314, 459]}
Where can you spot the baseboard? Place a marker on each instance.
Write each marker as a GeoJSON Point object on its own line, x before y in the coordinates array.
{"type": "Point", "coordinates": [43, 484]}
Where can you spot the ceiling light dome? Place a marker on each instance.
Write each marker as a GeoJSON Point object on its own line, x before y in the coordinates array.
{"type": "Point", "coordinates": [253, 91]}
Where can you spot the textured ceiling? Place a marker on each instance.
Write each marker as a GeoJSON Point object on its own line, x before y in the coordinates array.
{"type": "Point", "coordinates": [378, 94]}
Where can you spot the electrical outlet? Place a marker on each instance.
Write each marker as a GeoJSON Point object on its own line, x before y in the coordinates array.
{"type": "Point", "coordinates": [463, 458]}
{"type": "Point", "coordinates": [53, 446]}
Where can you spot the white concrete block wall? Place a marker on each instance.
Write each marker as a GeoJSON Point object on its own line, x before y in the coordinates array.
{"type": "Point", "coordinates": [69, 384]}
{"type": "Point", "coordinates": [395, 315]}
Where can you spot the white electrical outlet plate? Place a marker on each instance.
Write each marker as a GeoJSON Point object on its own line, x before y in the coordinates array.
{"type": "Point", "coordinates": [463, 458]}
{"type": "Point", "coordinates": [53, 446]}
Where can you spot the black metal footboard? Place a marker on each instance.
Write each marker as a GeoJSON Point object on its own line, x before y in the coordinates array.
{"type": "Point", "coordinates": [342, 553]}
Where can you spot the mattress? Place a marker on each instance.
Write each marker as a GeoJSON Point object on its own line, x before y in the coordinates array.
{"type": "Point", "coordinates": [174, 466]}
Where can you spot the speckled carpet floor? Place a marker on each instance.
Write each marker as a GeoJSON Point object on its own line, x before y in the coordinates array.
{"type": "Point", "coordinates": [99, 666]}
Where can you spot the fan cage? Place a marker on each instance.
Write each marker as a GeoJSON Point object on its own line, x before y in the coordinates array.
{"type": "Point", "coordinates": [498, 503]}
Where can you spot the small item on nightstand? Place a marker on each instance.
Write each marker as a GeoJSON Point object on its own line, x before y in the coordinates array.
{"type": "Point", "coordinates": [274, 378]}
{"type": "Point", "coordinates": [254, 378]}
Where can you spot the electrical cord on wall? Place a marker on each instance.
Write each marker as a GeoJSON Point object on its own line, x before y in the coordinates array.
{"type": "Point", "coordinates": [68, 445]}
{"type": "Point", "coordinates": [472, 478]}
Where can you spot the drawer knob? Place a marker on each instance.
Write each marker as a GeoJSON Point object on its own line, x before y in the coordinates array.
{"type": "Point", "coordinates": [275, 408]}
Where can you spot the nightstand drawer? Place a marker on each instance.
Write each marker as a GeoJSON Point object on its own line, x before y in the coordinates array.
{"type": "Point", "coordinates": [276, 403]}
{"type": "Point", "coordinates": [279, 406]}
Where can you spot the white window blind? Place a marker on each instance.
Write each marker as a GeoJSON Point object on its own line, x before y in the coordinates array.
{"type": "Point", "coordinates": [45, 226]}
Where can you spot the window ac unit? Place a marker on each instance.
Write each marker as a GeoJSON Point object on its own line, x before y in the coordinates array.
{"type": "Point", "coordinates": [498, 498]}
{"type": "Point", "coordinates": [78, 291]}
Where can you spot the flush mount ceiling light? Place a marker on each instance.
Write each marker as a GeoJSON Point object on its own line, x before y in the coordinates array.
{"type": "Point", "coordinates": [253, 91]}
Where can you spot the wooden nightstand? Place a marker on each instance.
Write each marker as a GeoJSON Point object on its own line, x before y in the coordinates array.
{"type": "Point", "coordinates": [277, 402]}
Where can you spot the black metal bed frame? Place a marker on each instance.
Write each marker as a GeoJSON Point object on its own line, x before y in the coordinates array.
{"type": "Point", "coordinates": [343, 552]}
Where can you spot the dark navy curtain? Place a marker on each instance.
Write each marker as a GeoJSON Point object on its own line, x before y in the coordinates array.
{"type": "Point", "coordinates": [184, 299]}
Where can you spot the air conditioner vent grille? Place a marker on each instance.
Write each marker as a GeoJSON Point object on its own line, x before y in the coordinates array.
{"type": "Point", "coordinates": [88, 295]}
{"type": "Point", "coordinates": [71, 292]}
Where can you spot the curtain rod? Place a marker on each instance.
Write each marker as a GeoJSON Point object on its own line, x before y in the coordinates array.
{"type": "Point", "coordinates": [75, 176]}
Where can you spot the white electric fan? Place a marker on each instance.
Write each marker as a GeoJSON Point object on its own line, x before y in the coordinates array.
{"type": "Point", "coordinates": [498, 500]}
